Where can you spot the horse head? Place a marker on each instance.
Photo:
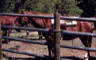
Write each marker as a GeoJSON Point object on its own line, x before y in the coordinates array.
{"type": "Point", "coordinates": [22, 21]}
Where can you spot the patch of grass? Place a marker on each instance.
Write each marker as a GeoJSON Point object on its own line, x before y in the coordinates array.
{"type": "Point", "coordinates": [23, 35]}
{"type": "Point", "coordinates": [45, 48]}
{"type": "Point", "coordinates": [5, 58]}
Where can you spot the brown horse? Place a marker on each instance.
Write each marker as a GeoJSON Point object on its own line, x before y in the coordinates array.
{"type": "Point", "coordinates": [30, 24]}
{"type": "Point", "coordinates": [9, 21]}
{"type": "Point", "coordinates": [42, 22]}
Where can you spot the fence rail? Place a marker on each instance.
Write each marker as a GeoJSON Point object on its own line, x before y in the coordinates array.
{"type": "Point", "coordinates": [43, 30]}
{"type": "Point", "coordinates": [26, 53]}
{"type": "Point", "coordinates": [46, 43]}
{"type": "Point", "coordinates": [52, 17]}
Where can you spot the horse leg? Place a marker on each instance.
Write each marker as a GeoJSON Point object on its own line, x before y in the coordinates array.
{"type": "Point", "coordinates": [5, 34]}
{"type": "Point", "coordinates": [9, 31]}
{"type": "Point", "coordinates": [40, 34]}
{"type": "Point", "coordinates": [52, 51]}
{"type": "Point", "coordinates": [49, 49]}
{"type": "Point", "coordinates": [27, 33]}
{"type": "Point", "coordinates": [87, 43]}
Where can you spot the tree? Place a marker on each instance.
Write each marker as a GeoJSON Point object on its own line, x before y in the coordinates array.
{"type": "Point", "coordinates": [43, 6]}
{"type": "Point", "coordinates": [67, 7]}
{"type": "Point", "coordinates": [88, 7]}
{"type": "Point", "coordinates": [10, 5]}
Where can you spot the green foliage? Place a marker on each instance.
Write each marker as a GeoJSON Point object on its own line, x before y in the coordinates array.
{"type": "Point", "coordinates": [43, 6]}
{"type": "Point", "coordinates": [88, 7]}
{"type": "Point", "coordinates": [39, 5]}
{"type": "Point", "coordinates": [9, 5]}
{"type": "Point", "coordinates": [68, 7]}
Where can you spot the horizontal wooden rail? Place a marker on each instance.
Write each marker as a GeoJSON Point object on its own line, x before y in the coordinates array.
{"type": "Point", "coordinates": [33, 54]}
{"type": "Point", "coordinates": [46, 43]}
{"type": "Point", "coordinates": [26, 53]}
{"type": "Point", "coordinates": [43, 16]}
{"type": "Point", "coordinates": [27, 41]}
{"type": "Point", "coordinates": [43, 30]}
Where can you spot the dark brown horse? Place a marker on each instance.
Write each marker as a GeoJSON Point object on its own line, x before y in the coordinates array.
{"type": "Point", "coordinates": [41, 23]}
{"type": "Point", "coordinates": [8, 21]}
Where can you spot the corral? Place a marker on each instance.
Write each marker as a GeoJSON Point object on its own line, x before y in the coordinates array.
{"type": "Point", "coordinates": [89, 34]}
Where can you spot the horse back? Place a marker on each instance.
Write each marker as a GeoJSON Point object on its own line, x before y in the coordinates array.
{"type": "Point", "coordinates": [7, 20]}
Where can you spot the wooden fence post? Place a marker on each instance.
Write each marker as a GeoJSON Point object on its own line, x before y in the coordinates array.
{"type": "Point", "coordinates": [1, 55]}
{"type": "Point", "coordinates": [57, 35]}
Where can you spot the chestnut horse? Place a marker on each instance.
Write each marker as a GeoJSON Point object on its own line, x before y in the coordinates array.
{"type": "Point", "coordinates": [42, 23]}
{"type": "Point", "coordinates": [9, 21]}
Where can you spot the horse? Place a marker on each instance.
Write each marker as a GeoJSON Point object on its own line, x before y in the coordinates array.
{"type": "Point", "coordinates": [9, 21]}
{"type": "Point", "coordinates": [31, 25]}
{"type": "Point", "coordinates": [81, 26]}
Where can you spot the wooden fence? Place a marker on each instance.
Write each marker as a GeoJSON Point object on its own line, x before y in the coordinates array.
{"type": "Point", "coordinates": [56, 31]}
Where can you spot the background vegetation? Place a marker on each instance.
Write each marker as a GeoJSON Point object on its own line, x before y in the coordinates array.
{"type": "Point", "coordinates": [84, 8]}
{"type": "Point", "coordinates": [88, 7]}
{"type": "Point", "coordinates": [73, 7]}
{"type": "Point", "coordinates": [44, 6]}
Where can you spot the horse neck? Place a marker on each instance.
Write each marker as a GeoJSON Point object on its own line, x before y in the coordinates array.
{"type": "Point", "coordinates": [36, 22]}
{"type": "Point", "coordinates": [39, 22]}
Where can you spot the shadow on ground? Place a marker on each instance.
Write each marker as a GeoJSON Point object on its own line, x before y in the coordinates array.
{"type": "Point", "coordinates": [62, 58]}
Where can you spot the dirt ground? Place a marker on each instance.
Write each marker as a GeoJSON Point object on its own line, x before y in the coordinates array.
{"type": "Point", "coordinates": [42, 49]}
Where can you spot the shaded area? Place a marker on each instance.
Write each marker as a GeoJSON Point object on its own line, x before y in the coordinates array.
{"type": "Point", "coordinates": [39, 49]}
{"type": "Point", "coordinates": [38, 58]}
